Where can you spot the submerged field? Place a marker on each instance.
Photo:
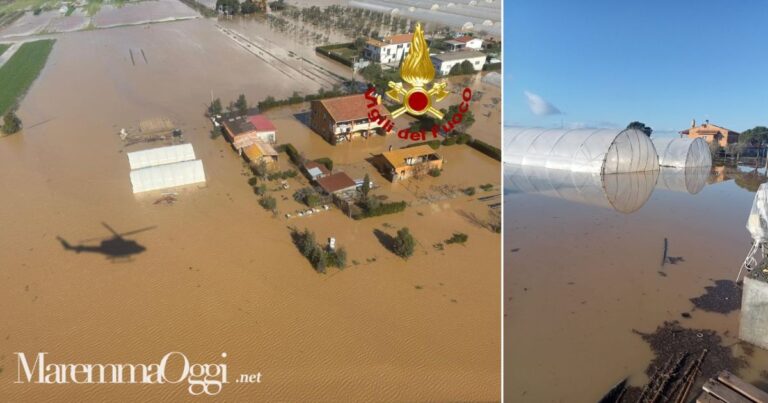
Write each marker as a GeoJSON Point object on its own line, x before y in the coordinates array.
{"type": "Point", "coordinates": [18, 73]}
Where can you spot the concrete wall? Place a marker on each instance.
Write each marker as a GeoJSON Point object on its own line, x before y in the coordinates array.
{"type": "Point", "coordinates": [753, 325]}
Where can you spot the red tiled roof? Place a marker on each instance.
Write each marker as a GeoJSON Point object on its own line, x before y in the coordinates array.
{"type": "Point", "coordinates": [336, 182]}
{"type": "Point", "coordinates": [350, 107]}
{"type": "Point", "coordinates": [399, 38]}
{"type": "Point", "coordinates": [261, 123]}
{"type": "Point", "coordinates": [464, 39]}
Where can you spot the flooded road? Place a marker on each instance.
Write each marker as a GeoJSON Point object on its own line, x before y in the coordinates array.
{"type": "Point", "coordinates": [583, 269]}
{"type": "Point", "coordinates": [216, 272]}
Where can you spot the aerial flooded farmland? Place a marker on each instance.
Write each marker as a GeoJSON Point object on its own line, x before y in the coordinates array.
{"type": "Point", "coordinates": [96, 272]}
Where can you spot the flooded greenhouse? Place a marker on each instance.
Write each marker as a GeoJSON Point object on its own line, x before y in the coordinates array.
{"type": "Point", "coordinates": [644, 269]}
{"type": "Point", "coordinates": [682, 152]}
{"type": "Point", "coordinates": [606, 151]}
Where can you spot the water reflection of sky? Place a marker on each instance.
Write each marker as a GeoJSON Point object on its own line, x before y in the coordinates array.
{"type": "Point", "coordinates": [582, 271]}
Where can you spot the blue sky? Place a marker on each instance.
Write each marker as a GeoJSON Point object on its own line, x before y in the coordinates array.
{"type": "Point", "coordinates": [601, 63]}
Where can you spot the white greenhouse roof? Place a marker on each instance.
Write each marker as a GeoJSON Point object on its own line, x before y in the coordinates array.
{"type": "Point", "coordinates": [161, 155]}
{"type": "Point", "coordinates": [605, 151]}
{"type": "Point", "coordinates": [167, 175]}
{"type": "Point", "coordinates": [682, 152]}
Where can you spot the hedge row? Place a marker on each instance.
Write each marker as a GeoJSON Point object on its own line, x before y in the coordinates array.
{"type": "Point", "coordinates": [382, 209]}
{"type": "Point", "coordinates": [289, 149]}
{"type": "Point", "coordinates": [486, 149]}
{"type": "Point", "coordinates": [326, 51]}
{"type": "Point", "coordinates": [326, 161]}
{"type": "Point", "coordinates": [271, 102]}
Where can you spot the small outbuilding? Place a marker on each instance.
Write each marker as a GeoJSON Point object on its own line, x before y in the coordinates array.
{"type": "Point", "coordinates": [261, 152]}
{"type": "Point", "coordinates": [337, 184]}
{"type": "Point", "coordinates": [244, 131]}
{"type": "Point", "coordinates": [410, 161]}
{"type": "Point", "coordinates": [316, 170]}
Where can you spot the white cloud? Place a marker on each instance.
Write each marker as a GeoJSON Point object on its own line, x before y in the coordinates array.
{"type": "Point", "coordinates": [540, 106]}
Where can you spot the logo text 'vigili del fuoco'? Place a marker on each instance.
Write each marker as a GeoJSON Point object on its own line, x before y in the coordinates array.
{"type": "Point", "coordinates": [416, 98]}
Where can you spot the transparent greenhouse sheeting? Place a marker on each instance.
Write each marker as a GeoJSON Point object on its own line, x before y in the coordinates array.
{"type": "Point", "coordinates": [476, 16]}
{"type": "Point", "coordinates": [682, 152]}
{"type": "Point", "coordinates": [689, 179]}
{"type": "Point", "coordinates": [605, 151]}
{"type": "Point", "coordinates": [167, 176]}
{"type": "Point", "coordinates": [625, 192]}
{"type": "Point", "coordinates": [161, 155]}
{"type": "Point", "coordinates": [757, 223]}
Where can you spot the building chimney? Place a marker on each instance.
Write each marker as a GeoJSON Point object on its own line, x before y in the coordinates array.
{"type": "Point", "coordinates": [693, 123]}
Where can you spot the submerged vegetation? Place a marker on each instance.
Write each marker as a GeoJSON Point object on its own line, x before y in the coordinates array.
{"type": "Point", "coordinates": [320, 258]}
{"type": "Point", "coordinates": [18, 73]}
{"type": "Point", "coordinates": [404, 243]}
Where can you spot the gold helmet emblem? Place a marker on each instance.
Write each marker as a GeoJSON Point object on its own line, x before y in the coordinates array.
{"type": "Point", "coordinates": [418, 71]}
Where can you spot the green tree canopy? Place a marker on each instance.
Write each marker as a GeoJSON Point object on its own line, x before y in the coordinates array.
{"type": "Point", "coordinates": [404, 244]}
{"type": "Point", "coordinates": [241, 105]}
{"type": "Point", "coordinates": [641, 126]}
{"type": "Point", "coordinates": [11, 123]}
{"type": "Point", "coordinates": [755, 135]}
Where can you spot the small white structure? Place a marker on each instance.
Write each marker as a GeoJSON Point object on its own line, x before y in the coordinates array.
{"type": "Point", "coordinates": [444, 62]}
{"type": "Point", "coordinates": [606, 151]}
{"type": "Point", "coordinates": [682, 152]}
{"type": "Point", "coordinates": [167, 176]}
{"type": "Point", "coordinates": [389, 50]}
{"type": "Point", "coordinates": [165, 167]}
{"type": "Point", "coordinates": [161, 155]}
{"type": "Point", "coordinates": [464, 42]}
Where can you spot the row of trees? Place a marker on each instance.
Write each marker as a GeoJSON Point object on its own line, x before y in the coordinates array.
{"type": "Point", "coordinates": [232, 7]}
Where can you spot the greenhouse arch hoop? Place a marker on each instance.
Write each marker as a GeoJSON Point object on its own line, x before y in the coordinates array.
{"type": "Point", "coordinates": [682, 152]}
{"type": "Point", "coordinates": [605, 151]}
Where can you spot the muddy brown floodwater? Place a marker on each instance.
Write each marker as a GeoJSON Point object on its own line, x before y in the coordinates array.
{"type": "Point", "coordinates": [584, 281]}
{"type": "Point", "coordinates": [220, 274]}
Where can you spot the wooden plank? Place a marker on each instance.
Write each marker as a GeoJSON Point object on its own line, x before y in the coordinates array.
{"type": "Point", "coordinates": [723, 392]}
{"type": "Point", "coordinates": [705, 397]}
{"type": "Point", "coordinates": [742, 387]}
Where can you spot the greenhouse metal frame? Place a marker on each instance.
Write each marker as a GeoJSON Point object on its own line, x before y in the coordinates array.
{"type": "Point", "coordinates": [682, 152]}
{"type": "Point", "coordinates": [604, 151]}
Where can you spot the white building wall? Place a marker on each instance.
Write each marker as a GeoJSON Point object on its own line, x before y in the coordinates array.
{"type": "Point", "coordinates": [475, 43]}
{"type": "Point", "coordinates": [388, 53]}
{"type": "Point", "coordinates": [445, 67]}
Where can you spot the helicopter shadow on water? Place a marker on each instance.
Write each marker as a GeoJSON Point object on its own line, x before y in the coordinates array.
{"type": "Point", "coordinates": [115, 248]}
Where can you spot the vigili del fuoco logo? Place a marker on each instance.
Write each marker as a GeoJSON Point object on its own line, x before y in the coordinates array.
{"type": "Point", "coordinates": [416, 99]}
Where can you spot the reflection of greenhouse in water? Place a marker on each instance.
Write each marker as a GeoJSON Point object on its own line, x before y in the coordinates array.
{"type": "Point", "coordinates": [606, 151]}
{"type": "Point", "coordinates": [682, 152]}
{"type": "Point", "coordinates": [624, 192]}
{"type": "Point", "coordinates": [689, 179]}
